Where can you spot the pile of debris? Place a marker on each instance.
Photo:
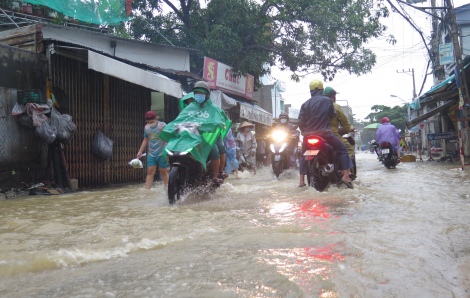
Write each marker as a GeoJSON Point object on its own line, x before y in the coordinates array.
{"type": "Point", "coordinates": [34, 190]}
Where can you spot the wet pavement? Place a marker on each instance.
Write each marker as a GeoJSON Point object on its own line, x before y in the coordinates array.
{"type": "Point", "coordinates": [399, 233]}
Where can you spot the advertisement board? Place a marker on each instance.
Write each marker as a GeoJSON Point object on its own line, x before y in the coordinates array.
{"type": "Point", "coordinates": [446, 53]}
{"type": "Point", "coordinates": [219, 76]}
{"type": "Point", "coordinates": [255, 115]}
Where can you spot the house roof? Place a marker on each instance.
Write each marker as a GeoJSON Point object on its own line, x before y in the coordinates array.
{"type": "Point", "coordinates": [462, 8]}
{"type": "Point", "coordinates": [113, 37]}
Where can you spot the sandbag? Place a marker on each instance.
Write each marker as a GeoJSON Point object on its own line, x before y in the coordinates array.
{"type": "Point", "coordinates": [102, 146]}
{"type": "Point", "coordinates": [46, 132]}
{"type": "Point", "coordinates": [65, 127]}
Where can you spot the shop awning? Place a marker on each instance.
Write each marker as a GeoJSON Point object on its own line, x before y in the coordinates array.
{"type": "Point", "coordinates": [441, 92]}
{"type": "Point", "coordinates": [255, 113]}
{"type": "Point", "coordinates": [129, 73]}
{"type": "Point", "coordinates": [222, 100]}
{"type": "Point", "coordinates": [410, 124]}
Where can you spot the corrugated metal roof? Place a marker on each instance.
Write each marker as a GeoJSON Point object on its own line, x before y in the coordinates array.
{"type": "Point", "coordinates": [112, 37]}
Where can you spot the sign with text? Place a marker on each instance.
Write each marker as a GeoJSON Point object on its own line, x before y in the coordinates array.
{"type": "Point", "coordinates": [446, 53]}
{"type": "Point", "coordinates": [441, 136]}
{"type": "Point", "coordinates": [219, 76]}
{"type": "Point", "coordinates": [255, 115]}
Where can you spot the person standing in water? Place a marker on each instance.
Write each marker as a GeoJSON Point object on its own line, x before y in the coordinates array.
{"type": "Point", "coordinates": [247, 149]}
{"type": "Point", "coordinates": [155, 147]}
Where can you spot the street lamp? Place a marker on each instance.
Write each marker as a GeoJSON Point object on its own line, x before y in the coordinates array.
{"type": "Point", "coordinates": [398, 97]}
{"type": "Point", "coordinates": [405, 103]}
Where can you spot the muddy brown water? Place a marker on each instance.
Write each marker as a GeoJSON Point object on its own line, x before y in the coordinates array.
{"type": "Point", "coordinates": [399, 233]}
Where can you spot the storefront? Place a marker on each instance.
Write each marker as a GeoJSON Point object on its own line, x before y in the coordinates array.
{"type": "Point", "coordinates": [234, 94]}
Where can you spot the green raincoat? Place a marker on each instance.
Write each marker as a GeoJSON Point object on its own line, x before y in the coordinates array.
{"type": "Point", "coordinates": [196, 129]}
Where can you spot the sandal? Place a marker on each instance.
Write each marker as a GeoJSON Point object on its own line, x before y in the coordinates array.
{"type": "Point", "coordinates": [348, 184]}
{"type": "Point", "coordinates": [223, 175]}
{"type": "Point", "coordinates": [303, 185]}
{"type": "Point", "coordinates": [217, 181]}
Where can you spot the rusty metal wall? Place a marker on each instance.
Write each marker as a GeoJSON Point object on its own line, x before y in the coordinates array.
{"type": "Point", "coordinates": [128, 103]}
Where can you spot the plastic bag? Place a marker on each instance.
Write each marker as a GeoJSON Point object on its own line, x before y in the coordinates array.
{"type": "Point", "coordinates": [65, 127]}
{"type": "Point", "coordinates": [136, 163]}
{"type": "Point", "coordinates": [18, 109]}
{"type": "Point", "coordinates": [46, 132]}
{"type": "Point", "coordinates": [102, 146]}
{"type": "Point", "coordinates": [25, 121]}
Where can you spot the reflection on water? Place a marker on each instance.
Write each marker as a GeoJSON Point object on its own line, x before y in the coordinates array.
{"type": "Point", "coordinates": [399, 233]}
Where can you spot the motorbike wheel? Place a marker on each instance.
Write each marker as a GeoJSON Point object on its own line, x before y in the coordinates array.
{"type": "Point", "coordinates": [316, 179]}
{"type": "Point", "coordinates": [277, 168]}
{"type": "Point", "coordinates": [175, 184]}
{"type": "Point", "coordinates": [387, 164]}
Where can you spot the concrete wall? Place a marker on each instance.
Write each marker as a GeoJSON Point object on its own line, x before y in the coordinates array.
{"type": "Point", "coordinates": [23, 157]}
{"type": "Point", "coordinates": [264, 98]}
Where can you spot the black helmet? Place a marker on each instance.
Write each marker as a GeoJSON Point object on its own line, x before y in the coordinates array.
{"type": "Point", "coordinates": [202, 85]}
{"type": "Point", "coordinates": [284, 115]}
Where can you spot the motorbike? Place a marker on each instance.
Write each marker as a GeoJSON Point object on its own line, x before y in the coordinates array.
{"type": "Point", "coordinates": [186, 173]}
{"type": "Point", "coordinates": [389, 155]}
{"type": "Point", "coordinates": [375, 146]}
{"type": "Point", "coordinates": [322, 163]}
{"type": "Point", "coordinates": [281, 151]}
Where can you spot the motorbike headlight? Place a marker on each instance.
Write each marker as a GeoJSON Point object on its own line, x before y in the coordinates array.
{"type": "Point", "coordinates": [283, 147]}
{"type": "Point", "coordinates": [168, 152]}
{"type": "Point", "coordinates": [279, 136]}
{"type": "Point", "coordinates": [272, 148]}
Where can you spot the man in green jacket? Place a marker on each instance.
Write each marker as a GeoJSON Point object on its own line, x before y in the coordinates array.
{"type": "Point", "coordinates": [339, 118]}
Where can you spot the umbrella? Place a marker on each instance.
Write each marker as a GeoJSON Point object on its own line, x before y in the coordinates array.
{"type": "Point", "coordinates": [373, 126]}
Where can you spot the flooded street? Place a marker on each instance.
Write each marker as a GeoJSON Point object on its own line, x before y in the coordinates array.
{"type": "Point", "coordinates": [399, 233]}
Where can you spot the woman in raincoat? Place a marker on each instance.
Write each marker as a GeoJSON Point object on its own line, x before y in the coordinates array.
{"type": "Point", "coordinates": [231, 155]}
{"type": "Point", "coordinates": [247, 146]}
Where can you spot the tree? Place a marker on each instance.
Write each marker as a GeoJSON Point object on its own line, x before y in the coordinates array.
{"type": "Point", "coordinates": [303, 36]}
{"type": "Point", "coordinates": [396, 115]}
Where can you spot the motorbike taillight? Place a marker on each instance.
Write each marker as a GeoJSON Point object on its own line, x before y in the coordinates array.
{"type": "Point", "coordinates": [385, 144]}
{"type": "Point", "coordinates": [313, 141]}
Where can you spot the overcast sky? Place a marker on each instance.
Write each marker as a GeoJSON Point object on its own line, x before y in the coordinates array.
{"type": "Point", "coordinates": [376, 87]}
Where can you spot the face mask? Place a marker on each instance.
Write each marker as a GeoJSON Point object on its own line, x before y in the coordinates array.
{"type": "Point", "coordinates": [283, 120]}
{"type": "Point", "coordinates": [153, 125]}
{"type": "Point", "coordinates": [200, 98]}
{"type": "Point", "coordinates": [247, 129]}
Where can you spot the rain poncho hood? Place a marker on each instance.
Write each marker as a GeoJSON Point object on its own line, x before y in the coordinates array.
{"type": "Point", "coordinates": [196, 129]}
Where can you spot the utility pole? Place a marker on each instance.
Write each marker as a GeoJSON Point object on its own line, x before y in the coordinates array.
{"type": "Point", "coordinates": [464, 96]}
{"type": "Point", "coordinates": [461, 78]}
{"type": "Point", "coordinates": [438, 69]}
{"type": "Point", "coordinates": [413, 75]}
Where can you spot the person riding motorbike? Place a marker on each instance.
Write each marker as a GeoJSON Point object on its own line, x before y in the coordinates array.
{"type": "Point", "coordinates": [339, 119]}
{"type": "Point", "coordinates": [289, 128]}
{"type": "Point", "coordinates": [200, 103]}
{"type": "Point", "coordinates": [314, 119]}
{"type": "Point", "coordinates": [389, 133]}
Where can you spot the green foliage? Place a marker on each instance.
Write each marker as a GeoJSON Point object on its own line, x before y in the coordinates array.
{"type": "Point", "coordinates": [396, 115]}
{"type": "Point", "coordinates": [303, 36]}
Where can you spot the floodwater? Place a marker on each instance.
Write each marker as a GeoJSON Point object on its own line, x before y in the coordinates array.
{"type": "Point", "coordinates": [399, 233]}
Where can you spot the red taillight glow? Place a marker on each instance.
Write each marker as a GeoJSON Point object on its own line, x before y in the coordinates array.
{"type": "Point", "coordinates": [385, 144]}
{"type": "Point", "coordinates": [313, 141]}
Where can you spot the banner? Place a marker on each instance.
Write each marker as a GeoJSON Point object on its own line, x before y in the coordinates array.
{"type": "Point", "coordinates": [219, 76]}
{"type": "Point", "coordinates": [256, 115]}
